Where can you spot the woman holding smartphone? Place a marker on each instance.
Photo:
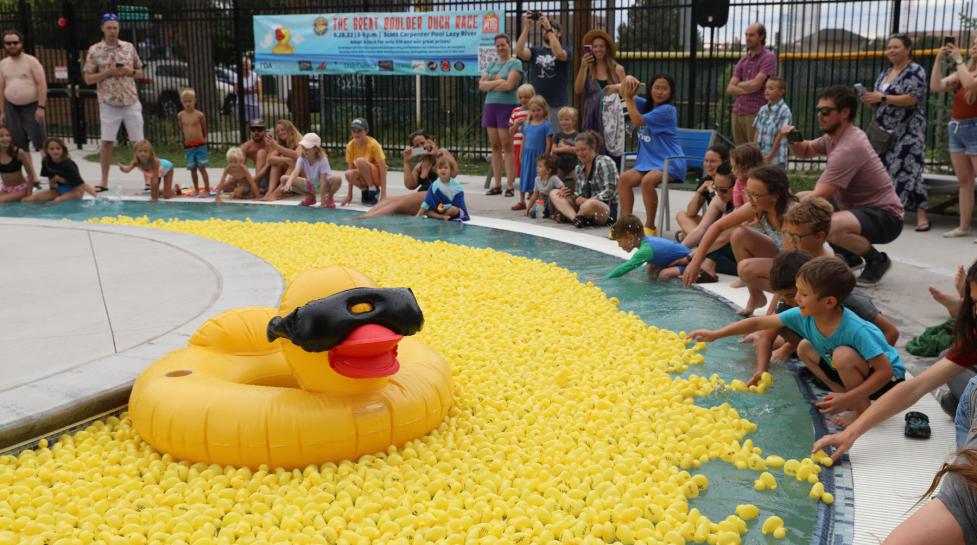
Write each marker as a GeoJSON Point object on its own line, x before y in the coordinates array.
{"type": "Point", "coordinates": [963, 125]}
{"type": "Point", "coordinates": [599, 75]}
{"type": "Point", "coordinates": [418, 177]}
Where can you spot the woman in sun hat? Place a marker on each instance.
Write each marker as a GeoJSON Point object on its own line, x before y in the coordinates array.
{"type": "Point", "coordinates": [601, 76]}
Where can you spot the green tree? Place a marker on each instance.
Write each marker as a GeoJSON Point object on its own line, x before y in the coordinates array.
{"type": "Point", "coordinates": [655, 25]}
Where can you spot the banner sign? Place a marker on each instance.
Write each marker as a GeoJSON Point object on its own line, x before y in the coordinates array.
{"type": "Point", "coordinates": [441, 43]}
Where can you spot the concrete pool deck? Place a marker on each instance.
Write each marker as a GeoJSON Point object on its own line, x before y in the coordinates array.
{"type": "Point", "coordinates": [881, 462]}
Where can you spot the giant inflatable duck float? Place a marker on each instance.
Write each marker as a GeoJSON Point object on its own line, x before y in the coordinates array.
{"type": "Point", "coordinates": [327, 376]}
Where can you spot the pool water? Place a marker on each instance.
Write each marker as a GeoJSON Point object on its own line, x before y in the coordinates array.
{"type": "Point", "coordinates": [783, 416]}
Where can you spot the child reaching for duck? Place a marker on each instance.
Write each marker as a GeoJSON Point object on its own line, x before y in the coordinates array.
{"type": "Point", "coordinates": [445, 199]}
{"type": "Point", "coordinates": [848, 354]}
{"type": "Point", "coordinates": [663, 256]}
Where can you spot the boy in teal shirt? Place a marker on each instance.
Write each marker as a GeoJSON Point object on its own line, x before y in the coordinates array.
{"type": "Point", "coordinates": [847, 353]}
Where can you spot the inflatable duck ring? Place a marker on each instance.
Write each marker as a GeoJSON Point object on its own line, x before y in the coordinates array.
{"type": "Point", "coordinates": [328, 376]}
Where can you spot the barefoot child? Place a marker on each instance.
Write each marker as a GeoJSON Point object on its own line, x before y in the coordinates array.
{"type": "Point", "coordinates": [62, 173]}
{"type": "Point", "coordinates": [153, 169]}
{"type": "Point", "coordinates": [445, 199]}
{"type": "Point", "coordinates": [236, 177]}
{"type": "Point", "coordinates": [193, 123]}
{"type": "Point", "coordinates": [366, 163]}
{"type": "Point", "coordinates": [314, 165]}
{"type": "Point", "coordinates": [538, 137]}
{"type": "Point", "coordinates": [783, 278]}
{"type": "Point", "coordinates": [848, 354]}
{"type": "Point", "coordinates": [659, 253]}
{"type": "Point", "coordinates": [546, 181]}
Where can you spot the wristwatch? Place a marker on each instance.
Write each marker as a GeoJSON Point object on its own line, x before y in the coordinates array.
{"type": "Point", "coordinates": [884, 99]}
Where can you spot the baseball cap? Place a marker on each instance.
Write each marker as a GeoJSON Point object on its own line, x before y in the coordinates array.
{"type": "Point", "coordinates": [359, 123]}
{"type": "Point", "coordinates": [257, 124]}
{"type": "Point", "coordinates": [310, 140]}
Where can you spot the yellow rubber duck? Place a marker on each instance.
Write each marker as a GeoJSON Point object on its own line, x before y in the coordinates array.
{"type": "Point", "coordinates": [327, 376]}
{"type": "Point", "coordinates": [282, 37]}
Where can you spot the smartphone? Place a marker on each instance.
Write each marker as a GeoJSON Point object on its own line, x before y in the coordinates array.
{"type": "Point", "coordinates": [949, 40]}
{"type": "Point", "coordinates": [859, 89]}
{"type": "Point", "coordinates": [418, 151]}
{"type": "Point", "coordinates": [588, 48]}
{"type": "Point", "coordinates": [794, 136]}
{"type": "Point", "coordinates": [119, 65]}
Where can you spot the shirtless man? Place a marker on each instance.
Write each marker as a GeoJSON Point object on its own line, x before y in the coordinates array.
{"type": "Point", "coordinates": [257, 149]}
{"type": "Point", "coordinates": [23, 93]}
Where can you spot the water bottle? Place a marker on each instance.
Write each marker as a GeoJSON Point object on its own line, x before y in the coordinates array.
{"type": "Point", "coordinates": [538, 208]}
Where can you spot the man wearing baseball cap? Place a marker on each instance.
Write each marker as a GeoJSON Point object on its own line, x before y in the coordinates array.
{"type": "Point", "coordinates": [256, 149]}
{"type": "Point", "coordinates": [366, 163]}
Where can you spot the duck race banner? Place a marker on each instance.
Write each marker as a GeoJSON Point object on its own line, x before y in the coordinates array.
{"type": "Point", "coordinates": [442, 43]}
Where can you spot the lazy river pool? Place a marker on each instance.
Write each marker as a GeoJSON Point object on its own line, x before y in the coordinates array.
{"type": "Point", "coordinates": [783, 416]}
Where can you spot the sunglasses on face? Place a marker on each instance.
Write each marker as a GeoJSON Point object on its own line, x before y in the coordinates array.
{"type": "Point", "coordinates": [10, 43]}
{"type": "Point", "coordinates": [794, 237]}
{"type": "Point", "coordinates": [722, 189]}
{"type": "Point", "coordinates": [824, 111]}
{"type": "Point", "coordinates": [754, 196]}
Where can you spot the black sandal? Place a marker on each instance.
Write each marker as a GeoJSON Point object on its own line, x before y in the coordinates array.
{"type": "Point", "coordinates": [580, 222]}
{"type": "Point", "coordinates": [917, 425]}
{"type": "Point", "coordinates": [100, 188]}
{"type": "Point", "coordinates": [494, 191]}
{"type": "Point", "coordinates": [509, 192]}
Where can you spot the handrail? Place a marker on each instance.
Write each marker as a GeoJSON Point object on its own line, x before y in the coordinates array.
{"type": "Point", "coordinates": [788, 56]}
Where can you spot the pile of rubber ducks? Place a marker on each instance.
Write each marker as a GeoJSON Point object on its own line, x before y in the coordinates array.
{"type": "Point", "coordinates": [569, 425]}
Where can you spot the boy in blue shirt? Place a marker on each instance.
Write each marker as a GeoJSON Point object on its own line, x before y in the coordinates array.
{"type": "Point", "coordinates": [657, 252]}
{"type": "Point", "coordinates": [850, 355]}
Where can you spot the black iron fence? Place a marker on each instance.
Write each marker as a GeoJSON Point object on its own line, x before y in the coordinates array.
{"type": "Point", "coordinates": [202, 43]}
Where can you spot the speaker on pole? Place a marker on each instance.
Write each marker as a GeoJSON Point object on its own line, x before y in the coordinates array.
{"type": "Point", "coordinates": [711, 13]}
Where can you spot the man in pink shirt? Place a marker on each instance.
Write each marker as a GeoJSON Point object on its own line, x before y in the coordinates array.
{"type": "Point", "coordinates": [749, 78]}
{"type": "Point", "coordinates": [869, 210]}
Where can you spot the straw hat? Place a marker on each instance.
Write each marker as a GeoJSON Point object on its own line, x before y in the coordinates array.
{"type": "Point", "coordinates": [589, 37]}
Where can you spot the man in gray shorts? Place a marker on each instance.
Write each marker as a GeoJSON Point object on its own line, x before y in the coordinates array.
{"type": "Point", "coordinates": [869, 209]}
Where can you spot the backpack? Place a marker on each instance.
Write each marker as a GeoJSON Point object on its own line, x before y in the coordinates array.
{"type": "Point", "coordinates": [612, 115]}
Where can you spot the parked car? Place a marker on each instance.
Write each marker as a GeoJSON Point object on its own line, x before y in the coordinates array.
{"type": "Point", "coordinates": [160, 87]}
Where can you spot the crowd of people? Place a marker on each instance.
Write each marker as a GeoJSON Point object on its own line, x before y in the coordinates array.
{"type": "Point", "coordinates": [743, 219]}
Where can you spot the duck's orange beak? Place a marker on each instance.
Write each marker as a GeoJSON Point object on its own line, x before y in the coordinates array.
{"type": "Point", "coordinates": [279, 34]}
{"type": "Point", "coordinates": [370, 351]}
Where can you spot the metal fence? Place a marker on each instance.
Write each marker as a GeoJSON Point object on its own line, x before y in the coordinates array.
{"type": "Point", "coordinates": [819, 43]}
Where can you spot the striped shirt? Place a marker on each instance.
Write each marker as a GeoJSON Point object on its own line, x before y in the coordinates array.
{"type": "Point", "coordinates": [519, 114]}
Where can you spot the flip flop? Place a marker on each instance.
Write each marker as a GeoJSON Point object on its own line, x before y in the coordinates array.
{"type": "Point", "coordinates": [100, 188]}
{"type": "Point", "coordinates": [923, 228]}
{"type": "Point", "coordinates": [917, 425]}
{"type": "Point", "coordinates": [706, 278]}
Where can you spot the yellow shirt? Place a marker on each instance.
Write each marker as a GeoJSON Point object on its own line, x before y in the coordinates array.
{"type": "Point", "coordinates": [372, 151]}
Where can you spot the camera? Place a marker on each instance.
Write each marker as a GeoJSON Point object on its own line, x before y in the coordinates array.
{"type": "Point", "coordinates": [794, 136]}
{"type": "Point", "coordinates": [535, 15]}
{"type": "Point", "coordinates": [949, 40]}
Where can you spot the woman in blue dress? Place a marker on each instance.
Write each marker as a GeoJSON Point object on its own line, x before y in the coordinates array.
{"type": "Point", "coordinates": [657, 122]}
{"type": "Point", "coordinates": [900, 92]}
